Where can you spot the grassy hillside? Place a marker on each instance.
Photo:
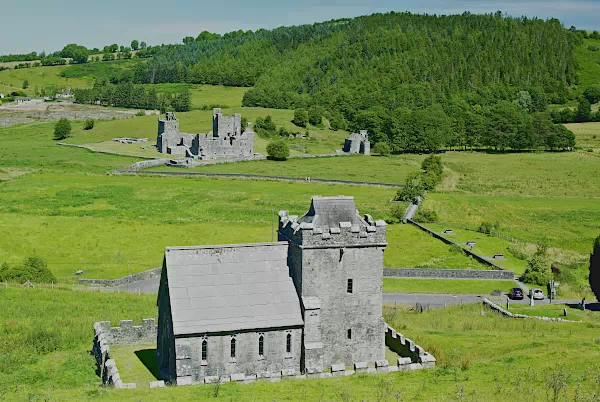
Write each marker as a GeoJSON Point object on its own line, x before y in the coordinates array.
{"type": "Point", "coordinates": [12, 80]}
{"type": "Point", "coordinates": [44, 351]}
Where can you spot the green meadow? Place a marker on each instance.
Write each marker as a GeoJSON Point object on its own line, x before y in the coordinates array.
{"type": "Point", "coordinates": [450, 286]}
{"type": "Point", "coordinates": [205, 96]}
{"type": "Point", "coordinates": [44, 355]}
{"type": "Point", "coordinates": [587, 134]}
{"type": "Point", "coordinates": [12, 80]}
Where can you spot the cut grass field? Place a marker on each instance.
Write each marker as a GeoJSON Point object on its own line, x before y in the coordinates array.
{"type": "Point", "coordinates": [44, 354]}
{"type": "Point", "coordinates": [450, 286]}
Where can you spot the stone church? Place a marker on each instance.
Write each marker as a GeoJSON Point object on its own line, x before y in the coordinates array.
{"type": "Point", "coordinates": [300, 305]}
{"type": "Point", "coordinates": [226, 140]}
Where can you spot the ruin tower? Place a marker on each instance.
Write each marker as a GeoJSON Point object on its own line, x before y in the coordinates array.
{"type": "Point", "coordinates": [168, 131]}
{"type": "Point", "coordinates": [226, 126]}
{"type": "Point", "coordinates": [336, 262]}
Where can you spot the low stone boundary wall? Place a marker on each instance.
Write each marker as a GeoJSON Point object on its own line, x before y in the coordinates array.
{"type": "Point", "coordinates": [506, 313]}
{"type": "Point", "coordinates": [448, 273]}
{"type": "Point", "coordinates": [148, 164]}
{"type": "Point", "coordinates": [414, 356]}
{"type": "Point", "coordinates": [256, 176]}
{"type": "Point", "coordinates": [448, 241]}
{"type": "Point", "coordinates": [140, 276]}
{"type": "Point", "coordinates": [127, 334]}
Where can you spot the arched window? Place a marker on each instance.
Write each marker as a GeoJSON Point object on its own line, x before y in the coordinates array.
{"type": "Point", "coordinates": [204, 349]}
{"type": "Point", "coordinates": [261, 345]}
{"type": "Point", "coordinates": [233, 348]}
{"type": "Point", "coordinates": [288, 343]}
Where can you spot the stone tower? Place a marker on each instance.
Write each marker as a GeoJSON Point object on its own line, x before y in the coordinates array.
{"type": "Point", "coordinates": [168, 131]}
{"type": "Point", "coordinates": [336, 262]}
{"type": "Point", "coordinates": [224, 126]}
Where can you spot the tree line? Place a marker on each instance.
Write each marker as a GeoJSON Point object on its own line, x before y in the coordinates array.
{"type": "Point", "coordinates": [416, 82]}
{"type": "Point", "coordinates": [128, 95]}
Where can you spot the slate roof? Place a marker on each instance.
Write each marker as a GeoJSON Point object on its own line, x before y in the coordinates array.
{"type": "Point", "coordinates": [330, 211]}
{"type": "Point", "coordinates": [231, 288]}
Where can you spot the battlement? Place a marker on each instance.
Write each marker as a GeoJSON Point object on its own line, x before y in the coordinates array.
{"type": "Point", "coordinates": [347, 232]}
{"type": "Point", "coordinates": [224, 126]}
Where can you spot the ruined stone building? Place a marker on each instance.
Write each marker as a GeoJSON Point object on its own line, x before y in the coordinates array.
{"type": "Point", "coordinates": [358, 143]}
{"type": "Point", "coordinates": [300, 305]}
{"type": "Point", "coordinates": [226, 140]}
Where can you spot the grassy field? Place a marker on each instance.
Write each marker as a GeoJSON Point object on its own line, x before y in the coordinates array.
{"type": "Point", "coordinates": [44, 354]}
{"type": "Point", "coordinates": [358, 168]}
{"type": "Point", "coordinates": [451, 286]}
{"type": "Point", "coordinates": [568, 223]}
{"type": "Point", "coordinates": [12, 80]}
{"type": "Point", "coordinates": [68, 211]}
{"type": "Point", "coordinates": [587, 134]}
{"type": "Point", "coordinates": [486, 246]}
{"type": "Point", "coordinates": [205, 96]}
{"type": "Point", "coordinates": [555, 311]}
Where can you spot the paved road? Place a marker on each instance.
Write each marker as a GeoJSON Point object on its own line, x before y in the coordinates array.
{"type": "Point", "coordinates": [435, 300]}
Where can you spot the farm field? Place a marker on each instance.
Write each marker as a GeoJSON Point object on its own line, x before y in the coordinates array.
{"type": "Point", "coordinates": [587, 134]}
{"type": "Point", "coordinates": [46, 355]}
{"type": "Point", "coordinates": [12, 80]}
{"type": "Point", "coordinates": [486, 246]}
{"type": "Point", "coordinates": [393, 170]}
{"type": "Point", "coordinates": [567, 223]}
{"type": "Point", "coordinates": [205, 96]}
{"type": "Point", "coordinates": [451, 286]}
{"type": "Point", "coordinates": [68, 211]}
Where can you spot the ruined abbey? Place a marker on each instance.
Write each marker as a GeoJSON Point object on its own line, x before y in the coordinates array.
{"type": "Point", "coordinates": [226, 140]}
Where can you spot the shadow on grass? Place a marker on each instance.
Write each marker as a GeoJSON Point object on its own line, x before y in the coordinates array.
{"type": "Point", "coordinates": [148, 359]}
{"type": "Point", "coordinates": [588, 306]}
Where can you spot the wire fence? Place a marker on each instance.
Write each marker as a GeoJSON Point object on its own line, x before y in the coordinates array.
{"type": "Point", "coordinates": [72, 286]}
{"type": "Point", "coordinates": [472, 228]}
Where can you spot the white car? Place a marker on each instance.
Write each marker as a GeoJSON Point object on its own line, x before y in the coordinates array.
{"type": "Point", "coordinates": [538, 294]}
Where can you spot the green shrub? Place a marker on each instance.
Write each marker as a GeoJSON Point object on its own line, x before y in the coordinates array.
{"type": "Point", "coordinates": [89, 124]}
{"type": "Point", "coordinates": [300, 117]}
{"type": "Point", "coordinates": [538, 268]}
{"type": "Point", "coordinates": [593, 48]}
{"type": "Point", "coordinates": [315, 117]}
{"type": "Point", "coordinates": [412, 188]}
{"type": "Point", "coordinates": [278, 150]}
{"type": "Point", "coordinates": [34, 269]}
{"type": "Point", "coordinates": [142, 113]}
{"type": "Point", "coordinates": [397, 211]}
{"type": "Point", "coordinates": [426, 215]}
{"type": "Point", "coordinates": [62, 129]}
{"type": "Point", "coordinates": [382, 148]}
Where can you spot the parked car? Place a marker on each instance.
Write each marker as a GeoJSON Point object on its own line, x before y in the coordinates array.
{"type": "Point", "coordinates": [516, 294]}
{"type": "Point", "coordinates": [538, 294]}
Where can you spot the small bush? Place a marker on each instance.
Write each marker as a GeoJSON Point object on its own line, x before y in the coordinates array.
{"type": "Point", "coordinates": [62, 129]}
{"type": "Point", "coordinates": [593, 48]}
{"type": "Point", "coordinates": [538, 270]}
{"type": "Point", "coordinates": [278, 150]}
{"type": "Point", "coordinates": [34, 269]}
{"type": "Point", "coordinates": [397, 211]}
{"type": "Point", "coordinates": [382, 148]}
{"type": "Point", "coordinates": [142, 113]}
{"type": "Point", "coordinates": [89, 124]}
{"type": "Point", "coordinates": [412, 188]}
{"type": "Point", "coordinates": [426, 215]}
{"type": "Point", "coordinates": [300, 117]}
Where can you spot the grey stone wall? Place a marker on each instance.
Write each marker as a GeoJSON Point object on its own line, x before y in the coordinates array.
{"type": "Point", "coordinates": [406, 348]}
{"type": "Point", "coordinates": [140, 276]}
{"type": "Point", "coordinates": [192, 369]}
{"type": "Point", "coordinates": [448, 273]}
{"type": "Point", "coordinates": [127, 334]}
